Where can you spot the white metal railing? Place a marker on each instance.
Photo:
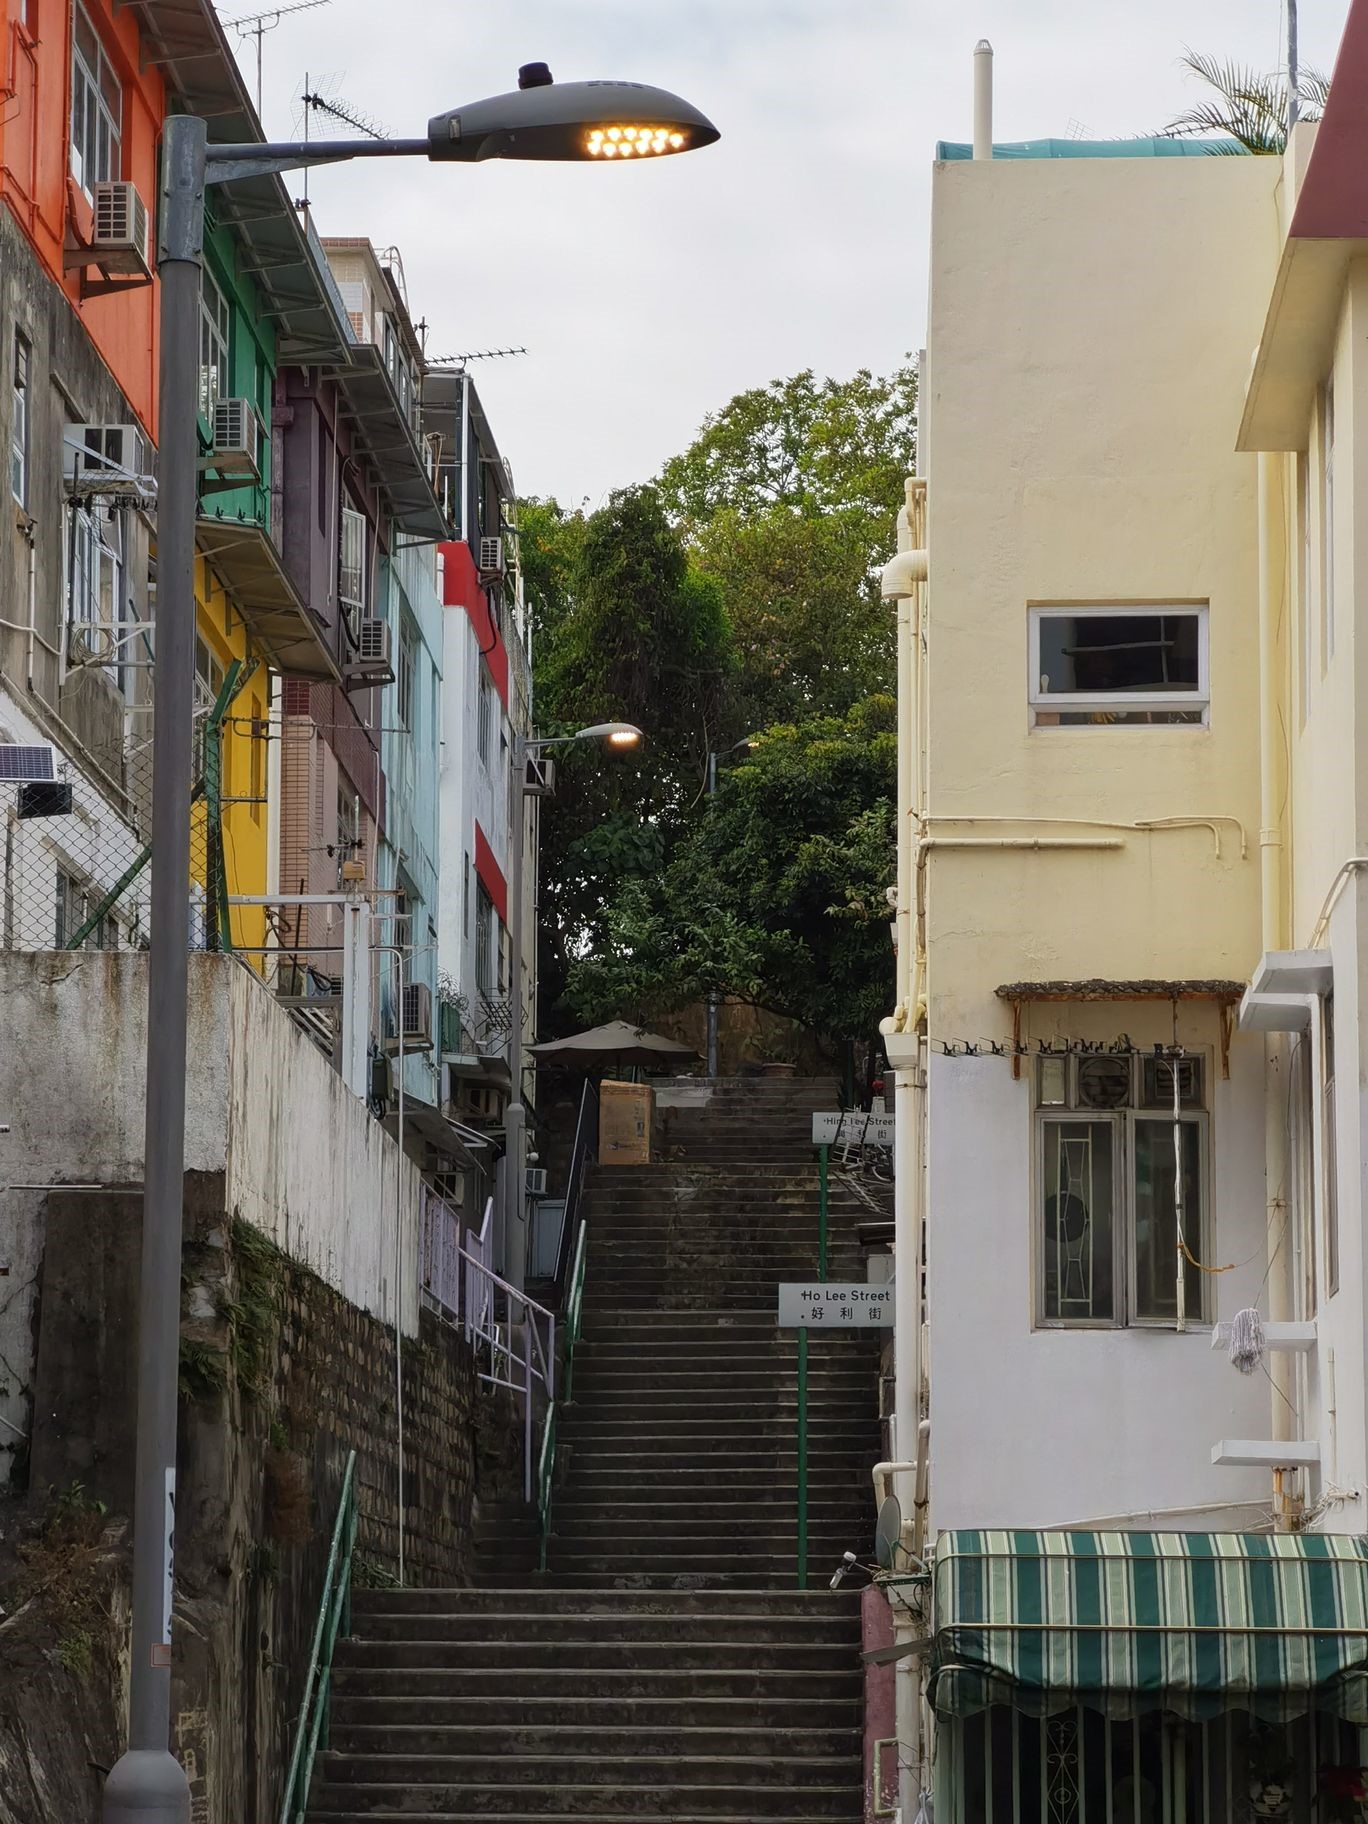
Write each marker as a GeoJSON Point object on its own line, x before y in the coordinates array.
{"type": "Point", "coordinates": [514, 1337]}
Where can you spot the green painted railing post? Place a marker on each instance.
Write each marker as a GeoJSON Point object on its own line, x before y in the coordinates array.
{"type": "Point", "coordinates": [823, 1208]}
{"type": "Point", "coordinates": [802, 1458]}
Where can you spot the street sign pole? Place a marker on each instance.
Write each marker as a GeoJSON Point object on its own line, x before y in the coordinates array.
{"type": "Point", "coordinates": [824, 1157]}
{"type": "Point", "coordinates": [802, 1458]}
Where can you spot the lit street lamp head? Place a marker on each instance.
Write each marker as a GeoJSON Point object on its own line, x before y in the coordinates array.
{"type": "Point", "coordinates": [610, 122]}
{"type": "Point", "coordinates": [616, 734]}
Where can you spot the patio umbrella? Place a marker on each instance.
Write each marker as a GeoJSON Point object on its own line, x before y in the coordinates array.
{"type": "Point", "coordinates": [616, 1043]}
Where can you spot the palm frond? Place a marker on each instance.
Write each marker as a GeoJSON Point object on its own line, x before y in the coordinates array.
{"type": "Point", "coordinates": [1248, 110]}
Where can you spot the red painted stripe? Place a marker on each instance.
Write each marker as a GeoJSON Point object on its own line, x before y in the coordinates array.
{"type": "Point", "coordinates": [1333, 203]}
{"type": "Point", "coordinates": [491, 874]}
{"type": "Point", "coordinates": [461, 588]}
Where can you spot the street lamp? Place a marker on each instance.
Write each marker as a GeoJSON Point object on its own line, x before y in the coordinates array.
{"type": "Point", "coordinates": [614, 734]}
{"type": "Point", "coordinates": [541, 120]}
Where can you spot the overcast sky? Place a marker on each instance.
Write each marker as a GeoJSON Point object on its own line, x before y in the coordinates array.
{"type": "Point", "coordinates": [648, 295]}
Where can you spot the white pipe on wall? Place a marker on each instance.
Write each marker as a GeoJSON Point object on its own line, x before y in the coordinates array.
{"type": "Point", "coordinates": [983, 99]}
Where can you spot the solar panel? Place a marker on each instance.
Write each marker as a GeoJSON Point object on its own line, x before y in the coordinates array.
{"type": "Point", "coordinates": [19, 762]}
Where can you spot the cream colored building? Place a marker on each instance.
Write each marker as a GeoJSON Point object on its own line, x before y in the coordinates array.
{"type": "Point", "coordinates": [1134, 752]}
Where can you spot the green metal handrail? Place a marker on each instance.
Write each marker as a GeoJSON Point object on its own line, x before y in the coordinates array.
{"type": "Point", "coordinates": [334, 1618]}
{"type": "Point", "coordinates": [546, 1465]}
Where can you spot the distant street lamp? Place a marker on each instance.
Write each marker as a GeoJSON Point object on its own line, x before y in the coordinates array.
{"type": "Point", "coordinates": [614, 734]}
{"type": "Point", "coordinates": [577, 122]}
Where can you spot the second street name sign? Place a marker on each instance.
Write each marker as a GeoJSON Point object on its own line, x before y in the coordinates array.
{"type": "Point", "coordinates": [853, 1128]}
{"type": "Point", "coordinates": [824, 1306]}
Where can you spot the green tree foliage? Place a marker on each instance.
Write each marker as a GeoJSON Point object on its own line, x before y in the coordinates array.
{"type": "Point", "coordinates": [1245, 109]}
{"type": "Point", "coordinates": [624, 629]}
{"type": "Point", "coordinates": [776, 892]}
{"type": "Point", "coordinates": [787, 497]}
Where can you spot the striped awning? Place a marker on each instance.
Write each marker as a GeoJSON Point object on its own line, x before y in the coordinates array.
{"type": "Point", "coordinates": [1275, 1624]}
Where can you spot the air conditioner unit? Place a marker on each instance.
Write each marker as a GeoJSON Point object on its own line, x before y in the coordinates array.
{"type": "Point", "coordinates": [491, 557]}
{"type": "Point", "coordinates": [237, 439]}
{"type": "Point", "coordinates": [109, 462]}
{"type": "Point", "coordinates": [417, 1022]}
{"type": "Point", "coordinates": [373, 661]}
{"type": "Point", "coordinates": [536, 1181]}
{"type": "Point", "coordinates": [120, 240]}
{"type": "Point", "coordinates": [541, 776]}
{"type": "Point", "coordinates": [478, 1103]}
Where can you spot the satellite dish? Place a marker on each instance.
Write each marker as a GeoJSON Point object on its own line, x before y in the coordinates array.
{"type": "Point", "coordinates": [888, 1533]}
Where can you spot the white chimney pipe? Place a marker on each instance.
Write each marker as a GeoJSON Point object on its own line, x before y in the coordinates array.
{"type": "Point", "coordinates": [983, 99]}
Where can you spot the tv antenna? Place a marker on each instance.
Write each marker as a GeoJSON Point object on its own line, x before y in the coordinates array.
{"type": "Point", "coordinates": [340, 110]}
{"type": "Point", "coordinates": [477, 354]}
{"type": "Point", "coordinates": [256, 25]}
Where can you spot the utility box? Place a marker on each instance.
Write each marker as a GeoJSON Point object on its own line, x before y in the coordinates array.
{"type": "Point", "coordinates": [626, 1111]}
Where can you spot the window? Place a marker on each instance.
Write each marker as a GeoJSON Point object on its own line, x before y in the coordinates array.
{"type": "Point", "coordinates": [19, 421]}
{"type": "Point", "coordinates": [348, 822]}
{"type": "Point", "coordinates": [485, 962]}
{"type": "Point", "coordinates": [1329, 1152]}
{"type": "Point", "coordinates": [1109, 1184]}
{"type": "Point", "coordinates": [465, 897]}
{"type": "Point", "coordinates": [215, 326]}
{"type": "Point", "coordinates": [351, 573]}
{"type": "Point", "coordinates": [208, 684]}
{"type": "Point", "coordinates": [1134, 665]}
{"type": "Point", "coordinates": [1304, 578]}
{"type": "Point", "coordinates": [484, 721]}
{"type": "Point", "coordinates": [96, 109]}
{"type": "Point", "coordinates": [75, 903]}
{"type": "Point", "coordinates": [1327, 464]}
{"type": "Point", "coordinates": [408, 660]}
{"type": "Point", "coordinates": [95, 585]}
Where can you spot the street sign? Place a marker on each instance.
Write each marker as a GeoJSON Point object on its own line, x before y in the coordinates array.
{"type": "Point", "coordinates": [853, 1128]}
{"type": "Point", "coordinates": [832, 1307]}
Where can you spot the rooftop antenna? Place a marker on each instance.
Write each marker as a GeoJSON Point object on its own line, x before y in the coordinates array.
{"type": "Point", "coordinates": [340, 110]}
{"type": "Point", "coordinates": [256, 25]}
{"type": "Point", "coordinates": [1293, 93]}
{"type": "Point", "coordinates": [478, 354]}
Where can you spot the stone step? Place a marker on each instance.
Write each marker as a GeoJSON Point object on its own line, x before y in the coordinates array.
{"type": "Point", "coordinates": [598, 1622]}
{"type": "Point", "coordinates": [533, 1711]}
{"type": "Point", "coordinates": [817, 1604]}
{"type": "Point", "coordinates": [398, 1678]}
{"type": "Point", "coordinates": [531, 1653]}
{"type": "Point", "coordinates": [578, 1771]}
{"type": "Point", "coordinates": [605, 1740]}
{"type": "Point", "coordinates": [518, 1798]}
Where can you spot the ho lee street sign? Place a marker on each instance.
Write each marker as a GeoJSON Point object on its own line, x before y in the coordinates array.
{"type": "Point", "coordinates": [831, 1307]}
{"type": "Point", "coordinates": [852, 1129]}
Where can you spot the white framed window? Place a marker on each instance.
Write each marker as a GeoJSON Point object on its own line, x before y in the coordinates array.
{"type": "Point", "coordinates": [96, 108]}
{"type": "Point", "coordinates": [209, 675]}
{"type": "Point", "coordinates": [76, 900]}
{"type": "Point", "coordinates": [1304, 581]}
{"type": "Point", "coordinates": [19, 419]}
{"type": "Point", "coordinates": [215, 334]}
{"type": "Point", "coordinates": [1107, 1183]}
{"type": "Point", "coordinates": [95, 585]}
{"type": "Point", "coordinates": [351, 566]}
{"type": "Point", "coordinates": [486, 958]}
{"type": "Point", "coordinates": [1327, 518]}
{"type": "Point", "coordinates": [1103, 666]}
{"type": "Point", "coordinates": [484, 717]}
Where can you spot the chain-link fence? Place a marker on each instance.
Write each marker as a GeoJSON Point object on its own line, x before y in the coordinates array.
{"type": "Point", "coordinates": [77, 863]}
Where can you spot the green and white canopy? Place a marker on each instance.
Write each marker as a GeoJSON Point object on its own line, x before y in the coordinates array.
{"type": "Point", "coordinates": [1197, 1623]}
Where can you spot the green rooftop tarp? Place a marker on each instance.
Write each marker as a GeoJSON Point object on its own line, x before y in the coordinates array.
{"type": "Point", "coordinates": [1157, 147]}
{"type": "Point", "coordinates": [1127, 1623]}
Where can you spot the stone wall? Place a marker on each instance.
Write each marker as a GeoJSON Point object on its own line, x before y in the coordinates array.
{"type": "Point", "coordinates": [281, 1378]}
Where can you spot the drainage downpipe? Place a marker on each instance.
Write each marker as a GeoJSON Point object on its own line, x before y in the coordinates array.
{"type": "Point", "coordinates": [1272, 792]}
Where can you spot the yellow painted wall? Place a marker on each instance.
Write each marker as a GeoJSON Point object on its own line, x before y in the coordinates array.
{"type": "Point", "coordinates": [244, 762]}
{"type": "Point", "coordinates": [1091, 328]}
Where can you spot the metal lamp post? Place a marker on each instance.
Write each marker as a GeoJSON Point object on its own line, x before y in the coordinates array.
{"type": "Point", "coordinates": [591, 122]}
{"type": "Point", "coordinates": [616, 734]}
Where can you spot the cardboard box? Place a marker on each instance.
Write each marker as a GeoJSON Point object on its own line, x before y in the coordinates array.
{"type": "Point", "coordinates": [626, 1112]}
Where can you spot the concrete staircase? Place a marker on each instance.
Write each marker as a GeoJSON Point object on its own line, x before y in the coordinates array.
{"type": "Point", "coordinates": [667, 1667]}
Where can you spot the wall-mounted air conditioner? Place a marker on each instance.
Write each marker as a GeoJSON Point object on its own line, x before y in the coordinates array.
{"type": "Point", "coordinates": [417, 1022]}
{"type": "Point", "coordinates": [541, 776]}
{"type": "Point", "coordinates": [120, 240]}
{"type": "Point", "coordinates": [109, 462]}
{"type": "Point", "coordinates": [491, 557]}
{"type": "Point", "coordinates": [373, 660]}
{"type": "Point", "coordinates": [536, 1181]}
{"type": "Point", "coordinates": [237, 439]}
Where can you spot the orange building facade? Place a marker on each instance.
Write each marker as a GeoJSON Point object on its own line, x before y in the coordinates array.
{"type": "Point", "coordinates": [84, 62]}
